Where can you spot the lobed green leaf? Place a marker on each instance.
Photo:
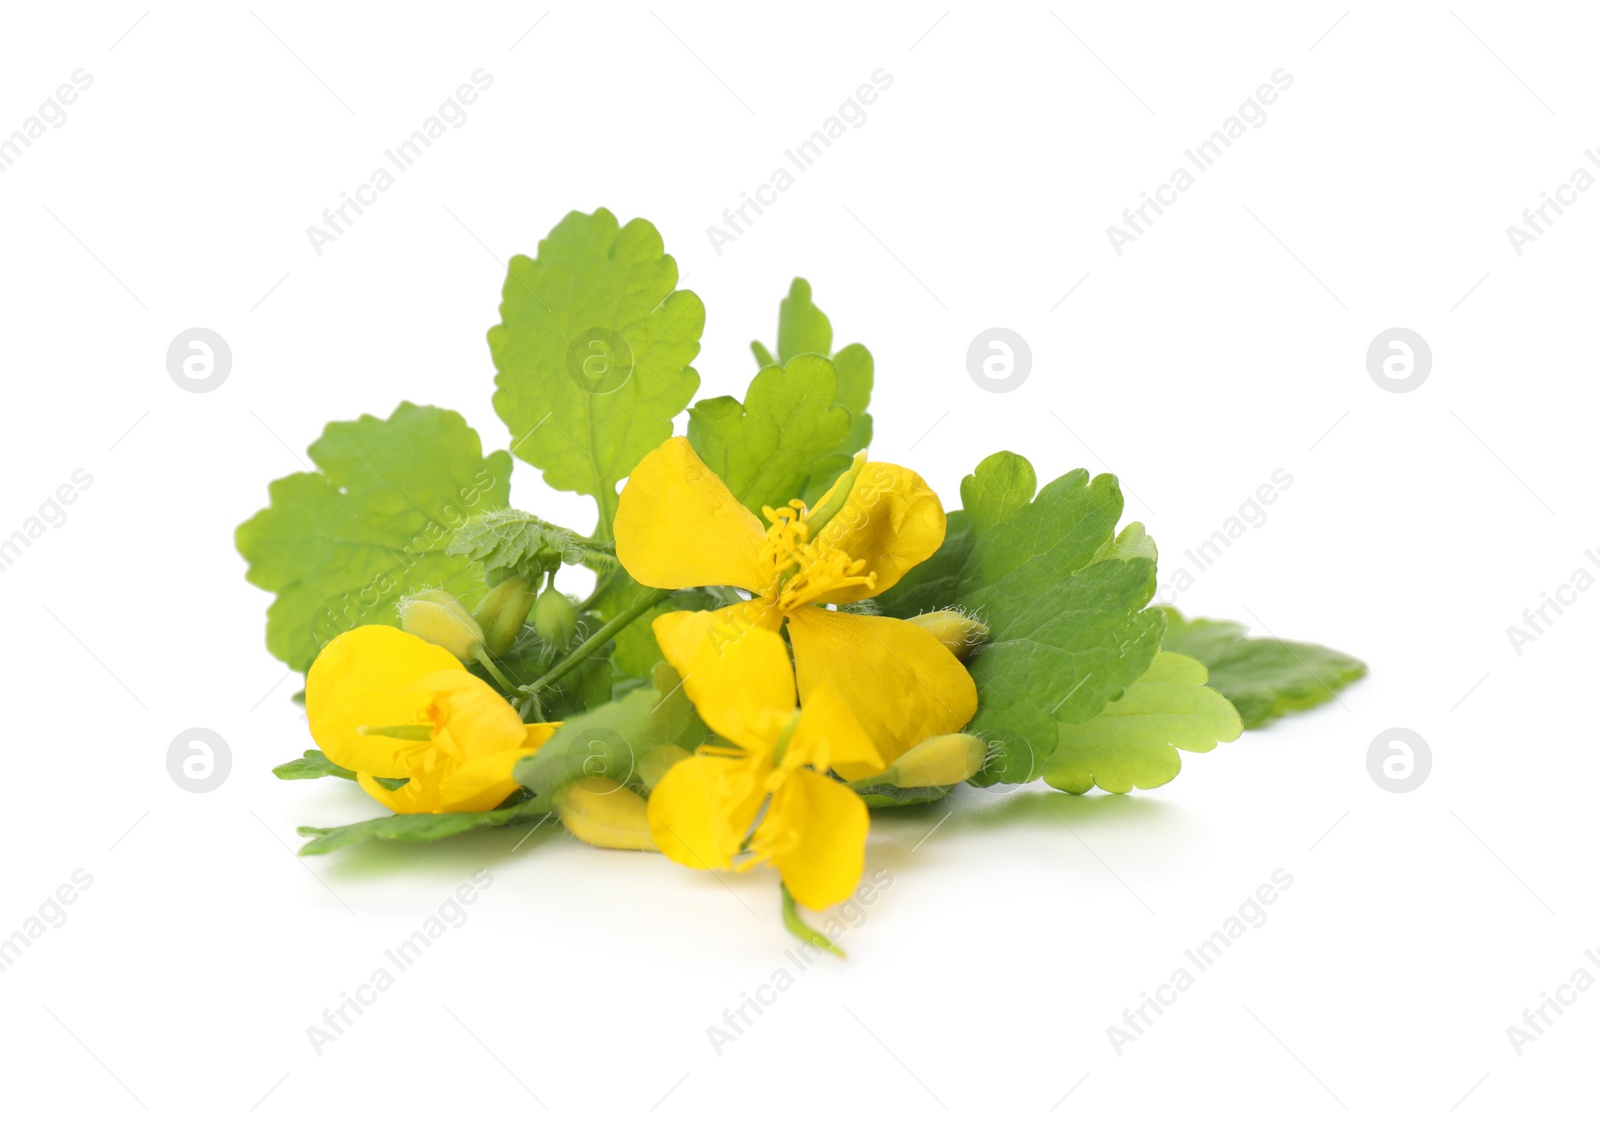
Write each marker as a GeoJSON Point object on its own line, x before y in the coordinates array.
{"type": "Point", "coordinates": [803, 329]}
{"type": "Point", "coordinates": [342, 545]}
{"type": "Point", "coordinates": [593, 351]}
{"type": "Point", "coordinates": [1064, 603]}
{"type": "Point", "coordinates": [767, 448]}
{"type": "Point", "coordinates": [1134, 741]}
{"type": "Point", "coordinates": [1263, 677]}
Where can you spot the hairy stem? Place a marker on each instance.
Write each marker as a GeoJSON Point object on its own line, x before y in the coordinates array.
{"type": "Point", "coordinates": [605, 632]}
{"type": "Point", "coordinates": [482, 656]}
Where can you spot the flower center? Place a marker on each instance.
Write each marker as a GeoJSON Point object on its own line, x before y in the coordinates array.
{"type": "Point", "coordinates": [807, 571]}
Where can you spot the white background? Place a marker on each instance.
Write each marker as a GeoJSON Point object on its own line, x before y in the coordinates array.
{"type": "Point", "coordinates": [1227, 342]}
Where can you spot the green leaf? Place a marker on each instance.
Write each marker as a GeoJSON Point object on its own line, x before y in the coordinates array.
{"type": "Point", "coordinates": [767, 449]}
{"type": "Point", "coordinates": [593, 351]}
{"type": "Point", "coordinates": [1130, 542]}
{"type": "Point", "coordinates": [514, 543]}
{"type": "Point", "coordinates": [803, 328]}
{"type": "Point", "coordinates": [1001, 486]}
{"type": "Point", "coordinates": [311, 766]}
{"type": "Point", "coordinates": [853, 367]}
{"type": "Point", "coordinates": [339, 547]}
{"type": "Point", "coordinates": [416, 828]}
{"type": "Point", "coordinates": [1068, 627]}
{"type": "Point", "coordinates": [887, 795]}
{"type": "Point", "coordinates": [677, 721]}
{"type": "Point", "coordinates": [1263, 677]}
{"type": "Point", "coordinates": [608, 741]}
{"type": "Point", "coordinates": [1134, 741]}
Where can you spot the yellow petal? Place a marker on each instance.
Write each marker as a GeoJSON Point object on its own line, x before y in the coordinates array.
{"type": "Point", "coordinates": [735, 668]}
{"type": "Point", "coordinates": [678, 526]}
{"type": "Point", "coordinates": [363, 678]}
{"type": "Point", "coordinates": [816, 831]}
{"type": "Point", "coordinates": [478, 785]}
{"type": "Point", "coordinates": [481, 784]}
{"type": "Point", "coordinates": [898, 681]}
{"type": "Point", "coordinates": [703, 808]}
{"type": "Point", "coordinates": [829, 736]}
{"type": "Point", "coordinates": [471, 718]}
{"type": "Point", "coordinates": [537, 733]}
{"type": "Point", "coordinates": [892, 521]}
{"type": "Point", "coordinates": [603, 813]}
{"type": "Point", "coordinates": [408, 800]}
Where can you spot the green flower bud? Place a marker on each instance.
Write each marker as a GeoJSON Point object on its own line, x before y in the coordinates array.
{"type": "Point", "coordinates": [837, 496]}
{"type": "Point", "coordinates": [436, 616]}
{"type": "Point", "coordinates": [554, 618]}
{"type": "Point", "coordinates": [961, 634]}
{"type": "Point", "coordinates": [502, 612]}
{"type": "Point", "coordinates": [939, 761]}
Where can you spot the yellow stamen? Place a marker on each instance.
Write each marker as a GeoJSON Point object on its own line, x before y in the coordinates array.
{"type": "Point", "coordinates": [806, 571]}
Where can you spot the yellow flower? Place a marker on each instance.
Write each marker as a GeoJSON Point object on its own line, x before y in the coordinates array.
{"type": "Point", "coordinates": [678, 525]}
{"type": "Point", "coordinates": [815, 829]}
{"type": "Point", "coordinates": [384, 703]}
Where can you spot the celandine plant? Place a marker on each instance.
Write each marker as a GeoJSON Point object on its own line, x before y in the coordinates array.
{"type": "Point", "coordinates": [783, 635]}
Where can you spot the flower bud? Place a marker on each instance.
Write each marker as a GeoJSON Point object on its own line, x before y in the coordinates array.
{"type": "Point", "coordinates": [939, 761]}
{"type": "Point", "coordinates": [503, 611]}
{"type": "Point", "coordinates": [961, 634]}
{"type": "Point", "coordinates": [603, 813]}
{"type": "Point", "coordinates": [436, 616]}
{"type": "Point", "coordinates": [833, 501]}
{"type": "Point", "coordinates": [554, 618]}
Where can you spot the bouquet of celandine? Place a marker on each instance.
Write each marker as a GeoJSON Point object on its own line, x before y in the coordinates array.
{"type": "Point", "coordinates": [782, 633]}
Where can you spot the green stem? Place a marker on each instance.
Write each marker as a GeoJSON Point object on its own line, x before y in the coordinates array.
{"type": "Point", "coordinates": [792, 921]}
{"type": "Point", "coordinates": [610, 628]}
{"type": "Point", "coordinates": [531, 707]}
{"type": "Point", "coordinates": [482, 656]}
{"type": "Point", "coordinates": [607, 501]}
{"type": "Point", "coordinates": [602, 585]}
